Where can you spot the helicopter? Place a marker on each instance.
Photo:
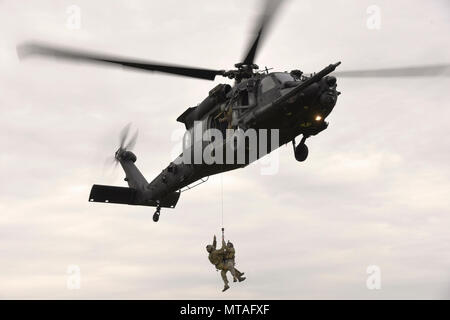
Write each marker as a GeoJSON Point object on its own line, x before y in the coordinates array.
{"type": "Point", "coordinates": [285, 104]}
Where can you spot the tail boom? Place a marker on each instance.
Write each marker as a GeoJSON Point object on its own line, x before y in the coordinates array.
{"type": "Point", "coordinates": [137, 193]}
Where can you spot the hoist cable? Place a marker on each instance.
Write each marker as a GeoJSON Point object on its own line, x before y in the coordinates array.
{"type": "Point", "coordinates": [221, 182]}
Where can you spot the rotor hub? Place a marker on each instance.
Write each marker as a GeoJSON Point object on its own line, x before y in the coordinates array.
{"type": "Point", "coordinates": [125, 155]}
{"type": "Point", "coordinates": [243, 71]}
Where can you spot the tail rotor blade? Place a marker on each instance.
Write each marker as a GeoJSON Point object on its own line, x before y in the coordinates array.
{"type": "Point", "coordinates": [123, 135]}
{"type": "Point", "coordinates": [132, 141]}
{"type": "Point", "coordinates": [109, 166]}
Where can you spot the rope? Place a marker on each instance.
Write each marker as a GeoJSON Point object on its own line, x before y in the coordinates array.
{"type": "Point", "coordinates": [221, 182]}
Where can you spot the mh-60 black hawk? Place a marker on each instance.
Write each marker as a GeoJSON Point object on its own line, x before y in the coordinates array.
{"type": "Point", "coordinates": [292, 103]}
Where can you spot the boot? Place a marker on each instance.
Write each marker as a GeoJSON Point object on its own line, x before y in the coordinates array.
{"type": "Point", "coordinates": [225, 288]}
{"type": "Point", "coordinates": [242, 279]}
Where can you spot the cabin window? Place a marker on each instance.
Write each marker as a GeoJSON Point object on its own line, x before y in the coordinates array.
{"type": "Point", "coordinates": [215, 123]}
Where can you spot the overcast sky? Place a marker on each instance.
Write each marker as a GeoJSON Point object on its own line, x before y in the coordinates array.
{"type": "Point", "coordinates": [374, 190]}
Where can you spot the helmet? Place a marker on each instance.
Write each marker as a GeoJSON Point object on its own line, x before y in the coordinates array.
{"type": "Point", "coordinates": [209, 248]}
{"type": "Point", "coordinates": [229, 244]}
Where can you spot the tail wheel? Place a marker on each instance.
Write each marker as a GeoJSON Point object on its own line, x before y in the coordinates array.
{"type": "Point", "coordinates": [157, 213]}
{"type": "Point", "coordinates": [301, 152]}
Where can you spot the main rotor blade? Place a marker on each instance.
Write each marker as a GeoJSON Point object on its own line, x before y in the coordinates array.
{"type": "Point", "coordinates": [415, 71]}
{"type": "Point", "coordinates": [32, 48]}
{"type": "Point", "coordinates": [270, 7]}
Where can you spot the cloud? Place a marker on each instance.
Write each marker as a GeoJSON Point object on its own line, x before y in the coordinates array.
{"type": "Point", "coordinates": [373, 191]}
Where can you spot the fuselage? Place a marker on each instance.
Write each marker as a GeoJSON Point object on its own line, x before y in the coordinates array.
{"type": "Point", "coordinates": [276, 106]}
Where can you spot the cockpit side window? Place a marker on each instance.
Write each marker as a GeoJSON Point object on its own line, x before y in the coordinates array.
{"type": "Point", "coordinates": [268, 90]}
{"type": "Point", "coordinates": [284, 77]}
{"type": "Point", "coordinates": [267, 84]}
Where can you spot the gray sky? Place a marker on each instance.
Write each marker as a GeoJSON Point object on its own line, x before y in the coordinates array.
{"type": "Point", "coordinates": [374, 190]}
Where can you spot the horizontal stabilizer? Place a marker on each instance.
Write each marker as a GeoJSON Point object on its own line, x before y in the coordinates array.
{"type": "Point", "coordinates": [112, 194]}
{"type": "Point", "coordinates": [123, 195]}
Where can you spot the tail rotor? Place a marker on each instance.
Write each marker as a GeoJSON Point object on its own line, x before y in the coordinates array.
{"type": "Point", "coordinates": [124, 151]}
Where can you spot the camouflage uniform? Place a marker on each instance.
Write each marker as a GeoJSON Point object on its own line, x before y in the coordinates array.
{"type": "Point", "coordinates": [218, 258]}
{"type": "Point", "coordinates": [229, 261]}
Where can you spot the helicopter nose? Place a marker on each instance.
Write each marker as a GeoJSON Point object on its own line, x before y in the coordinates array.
{"type": "Point", "coordinates": [328, 99]}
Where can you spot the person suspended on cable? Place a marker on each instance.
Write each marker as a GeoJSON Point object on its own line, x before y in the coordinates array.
{"type": "Point", "coordinates": [218, 258]}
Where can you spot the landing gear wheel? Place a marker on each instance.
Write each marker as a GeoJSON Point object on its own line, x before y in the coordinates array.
{"type": "Point", "coordinates": [301, 152]}
{"type": "Point", "coordinates": [157, 213]}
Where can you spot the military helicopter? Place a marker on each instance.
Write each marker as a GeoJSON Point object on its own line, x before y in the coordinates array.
{"type": "Point", "coordinates": [292, 103]}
